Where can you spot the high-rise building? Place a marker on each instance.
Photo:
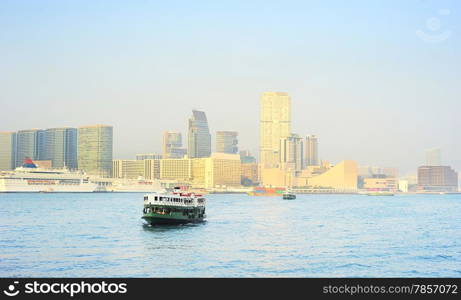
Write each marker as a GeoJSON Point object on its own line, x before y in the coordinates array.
{"type": "Point", "coordinates": [7, 151]}
{"type": "Point", "coordinates": [199, 138]}
{"type": "Point", "coordinates": [95, 150]}
{"type": "Point", "coordinates": [437, 179]}
{"type": "Point", "coordinates": [433, 157]}
{"type": "Point", "coordinates": [27, 145]}
{"type": "Point", "coordinates": [291, 153]}
{"type": "Point", "coordinates": [275, 123]}
{"type": "Point", "coordinates": [172, 145]}
{"type": "Point", "coordinates": [226, 142]}
{"type": "Point", "coordinates": [311, 151]}
{"type": "Point", "coordinates": [175, 169]}
{"type": "Point", "coordinates": [59, 145]}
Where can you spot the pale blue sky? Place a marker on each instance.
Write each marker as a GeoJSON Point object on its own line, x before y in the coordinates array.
{"type": "Point", "coordinates": [360, 76]}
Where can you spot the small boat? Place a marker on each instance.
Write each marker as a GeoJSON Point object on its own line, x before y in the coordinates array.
{"type": "Point", "coordinates": [288, 196]}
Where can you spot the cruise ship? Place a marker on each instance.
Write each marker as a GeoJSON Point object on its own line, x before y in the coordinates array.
{"type": "Point", "coordinates": [30, 178]}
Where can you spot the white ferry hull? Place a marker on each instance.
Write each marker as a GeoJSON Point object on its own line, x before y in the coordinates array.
{"type": "Point", "coordinates": [21, 186]}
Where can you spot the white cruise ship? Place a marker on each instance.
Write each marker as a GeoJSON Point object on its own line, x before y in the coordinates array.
{"type": "Point", "coordinates": [29, 178]}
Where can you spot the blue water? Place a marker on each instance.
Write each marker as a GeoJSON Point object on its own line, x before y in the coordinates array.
{"type": "Point", "coordinates": [102, 235]}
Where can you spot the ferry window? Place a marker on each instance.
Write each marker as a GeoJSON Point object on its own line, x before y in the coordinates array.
{"type": "Point", "coordinates": [155, 198]}
{"type": "Point", "coordinates": [146, 197]}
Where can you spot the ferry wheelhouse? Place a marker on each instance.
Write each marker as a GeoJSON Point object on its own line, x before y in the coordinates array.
{"type": "Point", "coordinates": [173, 208]}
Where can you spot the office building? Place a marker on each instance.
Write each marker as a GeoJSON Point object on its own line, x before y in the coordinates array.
{"type": "Point", "coordinates": [7, 151]}
{"type": "Point", "coordinates": [226, 142]}
{"type": "Point", "coordinates": [172, 145]}
{"type": "Point", "coordinates": [222, 170]}
{"type": "Point", "coordinates": [59, 145]}
{"type": "Point", "coordinates": [199, 137]}
{"type": "Point", "coordinates": [437, 179]}
{"type": "Point", "coordinates": [275, 123]}
{"type": "Point", "coordinates": [27, 145]}
{"type": "Point", "coordinates": [249, 174]}
{"type": "Point", "coordinates": [291, 153]}
{"type": "Point", "coordinates": [311, 151]}
{"type": "Point", "coordinates": [95, 150]}
{"type": "Point", "coordinates": [433, 157]}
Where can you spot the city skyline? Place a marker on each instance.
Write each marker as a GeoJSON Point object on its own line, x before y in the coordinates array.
{"type": "Point", "coordinates": [381, 101]}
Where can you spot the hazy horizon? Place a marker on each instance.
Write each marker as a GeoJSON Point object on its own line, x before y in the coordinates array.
{"type": "Point", "coordinates": [361, 75]}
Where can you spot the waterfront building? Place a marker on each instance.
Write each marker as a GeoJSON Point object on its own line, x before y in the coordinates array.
{"type": "Point", "coordinates": [223, 170]}
{"type": "Point", "coordinates": [381, 184]}
{"type": "Point", "coordinates": [226, 142]}
{"type": "Point", "coordinates": [199, 137]}
{"type": "Point", "coordinates": [172, 145]}
{"type": "Point", "coordinates": [275, 123]}
{"type": "Point", "coordinates": [148, 156]}
{"type": "Point", "coordinates": [291, 153]}
{"type": "Point", "coordinates": [433, 157]}
{"type": "Point", "coordinates": [27, 145]}
{"type": "Point", "coordinates": [95, 145]}
{"type": "Point", "coordinates": [58, 145]}
{"type": "Point", "coordinates": [7, 151]}
{"type": "Point", "coordinates": [151, 169]}
{"type": "Point", "coordinates": [403, 186]}
{"type": "Point", "coordinates": [311, 151]}
{"type": "Point", "coordinates": [176, 169]}
{"type": "Point", "coordinates": [342, 176]}
{"type": "Point", "coordinates": [127, 168]}
{"type": "Point", "coordinates": [437, 179]}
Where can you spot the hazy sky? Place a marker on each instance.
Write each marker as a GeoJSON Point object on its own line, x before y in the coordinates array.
{"type": "Point", "coordinates": [377, 81]}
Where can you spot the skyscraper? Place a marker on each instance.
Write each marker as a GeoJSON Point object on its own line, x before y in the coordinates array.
{"type": "Point", "coordinates": [226, 142]}
{"type": "Point", "coordinates": [199, 138]}
{"type": "Point", "coordinates": [275, 123]}
{"type": "Point", "coordinates": [27, 145]}
{"type": "Point", "coordinates": [311, 151]}
{"type": "Point", "coordinates": [291, 153]}
{"type": "Point", "coordinates": [433, 157]}
{"type": "Point", "coordinates": [172, 145]}
{"type": "Point", "coordinates": [95, 149]}
{"type": "Point", "coordinates": [7, 150]}
{"type": "Point", "coordinates": [59, 145]}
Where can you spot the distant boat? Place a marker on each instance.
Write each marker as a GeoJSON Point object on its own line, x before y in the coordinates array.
{"type": "Point", "coordinates": [380, 194]}
{"type": "Point", "coordinates": [288, 195]}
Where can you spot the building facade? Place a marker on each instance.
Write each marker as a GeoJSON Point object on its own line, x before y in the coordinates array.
{"type": "Point", "coordinates": [172, 145]}
{"type": "Point", "coordinates": [437, 179]}
{"type": "Point", "coordinates": [127, 168]}
{"type": "Point", "coordinates": [148, 156]}
{"type": "Point", "coordinates": [27, 145]}
{"type": "Point", "coordinates": [199, 137]}
{"type": "Point", "coordinates": [275, 124]}
{"type": "Point", "coordinates": [95, 144]}
{"type": "Point", "coordinates": [59, 145]}
{"type": "Point", "coordinates": [311, 151]}
{"type": "Point", "coordinates": [7, 151]}
{"type": "Point", "coordinates": [291, 153]}
{"type": "Point", "coordinates": [226, 142]}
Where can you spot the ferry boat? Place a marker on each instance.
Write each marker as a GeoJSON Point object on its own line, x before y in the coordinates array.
{"type": "Point", "coordinates": [30, 178]}
{"type": "Point", "coordinates": [173, 208]}
{"type": "Point", "coordinates": [288, 195]}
